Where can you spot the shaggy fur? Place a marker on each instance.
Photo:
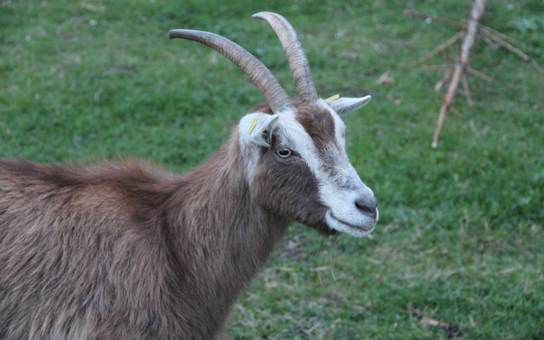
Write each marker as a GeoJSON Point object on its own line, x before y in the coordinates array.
{"type": "Point", "coordinates": [129, 251]}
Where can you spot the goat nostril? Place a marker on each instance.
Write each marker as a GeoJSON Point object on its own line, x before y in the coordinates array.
{"type": "Point", "coordinates": [368, 208]}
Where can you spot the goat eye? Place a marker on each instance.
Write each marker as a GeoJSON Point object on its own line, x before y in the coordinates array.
{"type": "Point", "coordinates": [284, 153]}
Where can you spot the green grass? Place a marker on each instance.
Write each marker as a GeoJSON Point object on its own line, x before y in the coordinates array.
{"type": "Point", "coordinates": [461, 232]}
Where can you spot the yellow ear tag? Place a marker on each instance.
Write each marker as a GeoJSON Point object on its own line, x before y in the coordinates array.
{"type": "Point", "coordinates": [333, 98]}
{"type": "Point", "coordinates": [252, 125]}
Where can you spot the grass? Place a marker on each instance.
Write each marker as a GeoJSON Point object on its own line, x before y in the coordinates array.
{"type": "Point", "coordinates": [461, 233]}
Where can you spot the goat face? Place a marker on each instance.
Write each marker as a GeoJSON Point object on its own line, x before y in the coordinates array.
{"type": "Point", "coordinates": [295, 159]}
{"type": "Point", "coordinates": [297, 167]}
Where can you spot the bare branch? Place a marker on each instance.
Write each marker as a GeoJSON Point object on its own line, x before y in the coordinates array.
{"type": "Point", "coordinates": [472, 28]}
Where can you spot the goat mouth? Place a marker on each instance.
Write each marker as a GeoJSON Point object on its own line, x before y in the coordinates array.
{"type": "Point", "coordinates": [354, 230]}
{"type": "Point", "coordinates": [351, 225]}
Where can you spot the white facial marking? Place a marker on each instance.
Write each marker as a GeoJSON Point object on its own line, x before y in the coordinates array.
{"type": "Point", "coordinates": [341, 186]}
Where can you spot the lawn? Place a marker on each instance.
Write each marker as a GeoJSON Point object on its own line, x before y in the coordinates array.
{"type": "Point", "coordinates": [460, 239]}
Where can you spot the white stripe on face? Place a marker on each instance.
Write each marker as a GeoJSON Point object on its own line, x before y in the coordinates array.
{"type": "Point", "coordinates": [339, 183]}
{"type": "Point", "coordinates": [341, 189]}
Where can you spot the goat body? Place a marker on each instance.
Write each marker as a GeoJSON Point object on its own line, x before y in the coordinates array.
{"type": "Point", "coordinates": [126, 251]}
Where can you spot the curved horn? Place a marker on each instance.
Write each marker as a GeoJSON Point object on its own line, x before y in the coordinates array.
{"type": "Point", "coordinates": [255, 70]}
{"type": "Point", "coordinates": [295, 54]}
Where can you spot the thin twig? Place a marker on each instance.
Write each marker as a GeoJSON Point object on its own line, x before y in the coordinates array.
{"type": "Point", "coordinates": [479, 74]}
{"type": "Point", "coordinates": [456, 112]}
{"type": "Point", "coordinates": [522, 55]}
{"type": "Point", "coordinates": [503, 43]}
{"type": "Point", "coordinates": [490, 42]}
{"type": "Point", "coordinates": [467, 90]}
{"type": "Point", "coordinates": [452, 40]}
{"type": "Point", "coordinates": [445, 78]}
{"type": "Point", "coordinates": [487, 29]}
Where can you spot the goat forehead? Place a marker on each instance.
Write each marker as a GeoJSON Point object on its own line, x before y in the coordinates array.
{"type": "Point", "coordinates": [317, 135]}
{"type": "Point", "coordinates": [319, 124]}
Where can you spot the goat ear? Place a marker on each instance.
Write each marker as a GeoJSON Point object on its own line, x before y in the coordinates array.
{"type": "Point", "coordinates": [257, 128]}
{"type": "Point", "coordinates": [343, 105]}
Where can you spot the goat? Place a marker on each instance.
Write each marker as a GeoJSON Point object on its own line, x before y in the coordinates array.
{"type": "Point", "coordinates": [130, 251]}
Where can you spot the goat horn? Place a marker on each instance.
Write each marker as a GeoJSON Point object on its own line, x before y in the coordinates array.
{"type": "Point", "coordinates": [295, 54]}
{"type": "Point", "coordinates": [254, 69]}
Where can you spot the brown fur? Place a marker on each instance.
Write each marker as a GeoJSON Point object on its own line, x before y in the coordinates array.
{"type": "Point", "coordinates": [129, 251]}
{"type": "Point", "coordinates": [318, 123]}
